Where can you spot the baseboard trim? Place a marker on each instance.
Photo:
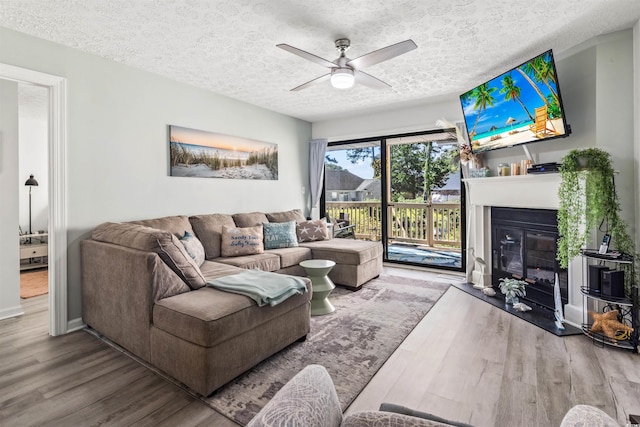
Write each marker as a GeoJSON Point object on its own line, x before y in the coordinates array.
{"type": "Point", "coordinates": [11, 312]}
{"type": "Point", "coordinates": [75, 324]}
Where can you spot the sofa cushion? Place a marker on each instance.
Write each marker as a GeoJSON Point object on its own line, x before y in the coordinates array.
{"type": "Point", "coordinates": [264, 261]}
{"type": "Point", "coordinates": [311, 231]}
{"type": "Point", "coordinates": [175, 225]}
{"type": "Point", "coordinates": [279, 235]}
{"type": "Point", "coordinates": [209, 316]}
{"type": "Point", "coordinates": [165, 244]}
{"type": "Point", "coordinates": [238, 241]}
{"type": "Point", "coordinates": [291, 256]}
{"type": "Point", "coordinates": [212, 270]}
{"type": "Point", "coordinates": [292, 215]}
{"type": "Point", "coordinates": [208, 229]}
{"type": "Point", "coordinates": [249, 219]}
{"type": "Point", "coordinates": [345, 251]}
{"type": "Point", "coordinates": [193, 247]}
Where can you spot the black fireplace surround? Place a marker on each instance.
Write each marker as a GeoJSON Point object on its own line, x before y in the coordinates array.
{"type": "Point", "coordinates": [523, 246]}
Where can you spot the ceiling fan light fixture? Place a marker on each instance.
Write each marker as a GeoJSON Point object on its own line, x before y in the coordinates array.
{"type": "Point", "coordinates": [342, 78]}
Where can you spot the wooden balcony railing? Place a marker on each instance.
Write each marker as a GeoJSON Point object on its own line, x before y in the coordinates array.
{"type": "Point", "coordinates": [433, 225]}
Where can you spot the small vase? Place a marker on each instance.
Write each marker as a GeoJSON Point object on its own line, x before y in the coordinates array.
{"type": "Point", "coordinates": [511, 299]}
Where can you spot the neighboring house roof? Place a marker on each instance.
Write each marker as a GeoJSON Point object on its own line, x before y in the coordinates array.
{"type": "Point", "coordinates": [343, 180]}
{"type": "Point", "coordinates": [451, 184]}
{"type": "Point", "coordinates": [369, 185]}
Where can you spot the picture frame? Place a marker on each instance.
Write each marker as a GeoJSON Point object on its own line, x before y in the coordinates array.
{"type": "Point", "coordinates": [203, 154]}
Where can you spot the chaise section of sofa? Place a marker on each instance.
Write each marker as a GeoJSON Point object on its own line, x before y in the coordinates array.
{"type": "Point", "coordinates": [207, 337]}
{"type": "Point", "coordinates": [140, 291]}
{"type": "Point", "coordinates": [357, 261]}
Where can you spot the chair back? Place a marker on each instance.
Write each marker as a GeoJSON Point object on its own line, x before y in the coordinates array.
{"type": "Point", "coordinates": [540, 117]}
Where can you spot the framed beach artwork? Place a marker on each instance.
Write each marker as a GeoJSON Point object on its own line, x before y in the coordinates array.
{"type": "Point", "coordinates": [202, 154]}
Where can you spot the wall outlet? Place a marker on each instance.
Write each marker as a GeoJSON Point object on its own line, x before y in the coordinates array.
{"type": "Point", "coordinates": [304, 190]}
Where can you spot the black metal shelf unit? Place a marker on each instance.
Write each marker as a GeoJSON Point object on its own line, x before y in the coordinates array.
{"type": "Point", "coordinates": [627, 307]}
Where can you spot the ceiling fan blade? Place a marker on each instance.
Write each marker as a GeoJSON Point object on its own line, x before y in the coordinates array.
{"type": "Point", "coordinates": [312, 82]}
{"type": "Point", "coordinates": [306, 55]}
{"type": "Point", "coordinates": [380, 55]}
{"type": "Point", "coordinates": [370, 81]}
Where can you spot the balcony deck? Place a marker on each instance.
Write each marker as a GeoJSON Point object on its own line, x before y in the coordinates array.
{"type": "Point", "coordinates": [421, 254]}
{"type": "Point", "coordinates": [418, 233]}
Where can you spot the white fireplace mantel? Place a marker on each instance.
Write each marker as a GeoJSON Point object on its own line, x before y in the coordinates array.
{"type": "Point", "coordinates": [534, 191]}
{"type": "Point", "coordinates": [538, 191]}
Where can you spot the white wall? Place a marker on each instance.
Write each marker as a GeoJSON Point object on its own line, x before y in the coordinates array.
{"type": "Point", "coordinates": [117, 152]}
{"type": "Point", "coordinates": [33, 156]}
{"type": "Point", "coordinates": [615, 116]}
{"type": "Point", "coordinates": [9, 241]}
{"type": "Point", "coordinates": [394, 121]}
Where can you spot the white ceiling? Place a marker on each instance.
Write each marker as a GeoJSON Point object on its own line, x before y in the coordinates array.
{"type": "Point", "coordinates": [228, 46]}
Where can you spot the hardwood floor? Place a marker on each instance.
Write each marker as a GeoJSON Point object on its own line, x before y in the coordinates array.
{"type": "Point", "coordinates": [77, 380]}
{"type": "Point", "coordinates": [471, 362]}
{"type": "Point", "coordinates": [466, 360]}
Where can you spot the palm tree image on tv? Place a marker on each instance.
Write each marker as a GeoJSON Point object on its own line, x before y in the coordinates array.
{"type": "Point", "coordinates": [518, 106]}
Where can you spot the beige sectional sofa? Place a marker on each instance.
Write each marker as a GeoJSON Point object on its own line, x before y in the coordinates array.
{"type": "Point", "coordinates": [142, 290]}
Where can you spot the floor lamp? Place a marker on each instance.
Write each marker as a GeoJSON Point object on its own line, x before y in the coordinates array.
{"type": "Point", "coordinates": [31, 182]}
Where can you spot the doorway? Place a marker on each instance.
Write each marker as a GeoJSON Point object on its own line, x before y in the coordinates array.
{"type": "Point", "coordinates": [56, 175]}
{"type": "Point", "coordinates": [33, 115]}
{"type": "Point", "coordinates": [403, 190]}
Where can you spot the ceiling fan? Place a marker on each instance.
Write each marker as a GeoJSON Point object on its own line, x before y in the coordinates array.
{"type": "Point", "coordinates": [345, 71]}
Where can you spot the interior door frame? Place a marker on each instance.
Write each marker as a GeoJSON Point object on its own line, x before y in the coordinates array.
{"type": "Point", "coordinates": [57, 143]}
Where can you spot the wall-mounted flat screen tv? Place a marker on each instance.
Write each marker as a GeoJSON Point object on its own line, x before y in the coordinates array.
{"type": "Point", "coordinates": [520, 106]}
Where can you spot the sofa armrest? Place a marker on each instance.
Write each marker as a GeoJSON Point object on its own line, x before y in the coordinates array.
{"type": "Point", "coordinates": [585, 415]}
{"type": "Point", "coordinates": [387, 419]}
{"type": "Point", "coordinates": [309, 399]}
{"type": "Point", "coordinates": [119, 287]}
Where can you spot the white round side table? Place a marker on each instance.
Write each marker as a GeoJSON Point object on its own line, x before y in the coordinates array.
{"type": "Point", "coordinates": [321, 285]}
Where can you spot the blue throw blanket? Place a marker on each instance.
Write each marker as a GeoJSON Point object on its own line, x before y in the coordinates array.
{"type": "Point", "coordinates": [261, 286]}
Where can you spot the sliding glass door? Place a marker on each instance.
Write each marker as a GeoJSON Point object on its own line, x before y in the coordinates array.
{"type": "Point", "coordinates": [403, 190]}
{"type": "Point", "coordinates": [423, 201]}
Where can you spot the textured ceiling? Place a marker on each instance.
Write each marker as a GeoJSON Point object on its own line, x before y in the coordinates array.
{"type": "Point", "coordinates": [228, 47]}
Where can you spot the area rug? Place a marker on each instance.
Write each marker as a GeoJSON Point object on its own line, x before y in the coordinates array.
{"type": "Point", "coordinates": [34, 283]}
{"type": "Point", "coordinates": [352, 343]}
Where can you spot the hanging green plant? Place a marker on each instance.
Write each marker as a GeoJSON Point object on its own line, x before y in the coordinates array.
{"type": "Point", "coordinates": [588, 199]}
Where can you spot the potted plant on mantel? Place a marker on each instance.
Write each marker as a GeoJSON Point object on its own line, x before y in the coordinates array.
{"type": "Point", "coordinates": [588, 199]}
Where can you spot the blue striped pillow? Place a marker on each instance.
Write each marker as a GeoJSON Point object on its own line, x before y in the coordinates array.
{"type": "Point", "coordinates": [278, 235]}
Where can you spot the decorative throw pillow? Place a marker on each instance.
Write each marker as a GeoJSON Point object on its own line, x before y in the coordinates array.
{"type": "Point", "coordinates": [312, 231]}
{"type": "Point", "coordinates": [279, 235]}
{"type": "Point", "coordinates": [242, 241]}
{"type": "Point", "coordinates": [193, 247]}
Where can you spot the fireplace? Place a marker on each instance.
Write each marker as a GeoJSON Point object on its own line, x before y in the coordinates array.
{"type": "Point", "coordinates": [534, 191]}
{"type": "Point", "coordinates": [523, 246]}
